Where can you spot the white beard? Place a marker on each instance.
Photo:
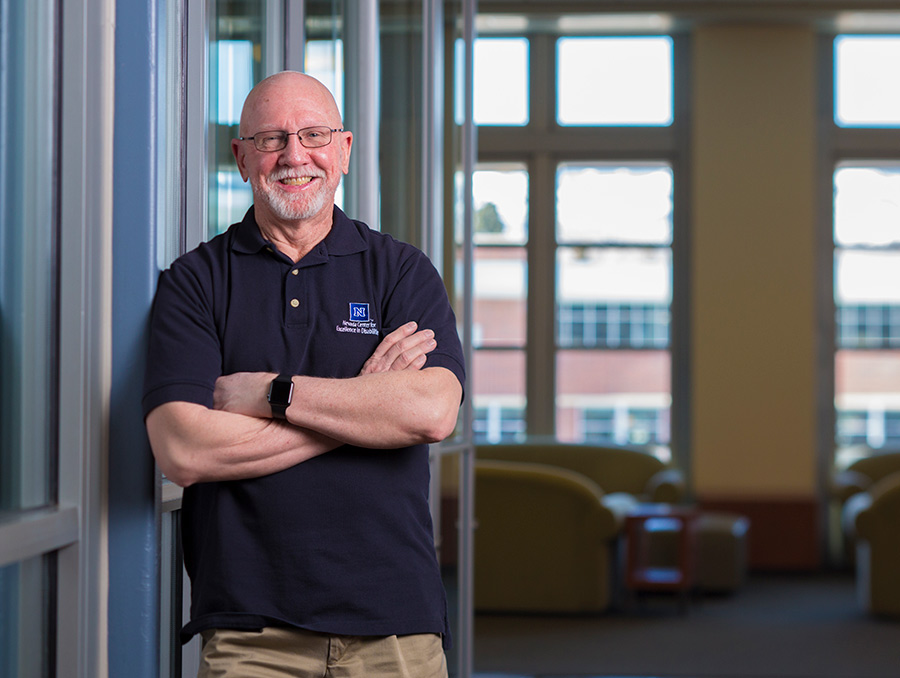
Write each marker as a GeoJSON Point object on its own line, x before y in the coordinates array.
{"type": "Point", "coordinates": [287, 206]}
{"type": "Point", "coordinates": [292, 209]}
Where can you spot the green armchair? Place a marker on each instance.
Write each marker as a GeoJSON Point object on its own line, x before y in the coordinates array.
{"type": "Point", "coordinates": [544, 539]}
{"type": "Point", "coordinates": [874, 515]}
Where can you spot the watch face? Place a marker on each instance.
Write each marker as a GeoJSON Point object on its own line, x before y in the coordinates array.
{"type": "Point", "coordinates": [280, 392]}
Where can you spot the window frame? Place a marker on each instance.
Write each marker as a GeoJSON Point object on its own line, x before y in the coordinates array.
{"type": "Point", "coordinates": [547, 144]}
{"type": "Point", "coordinates": [840, 146]}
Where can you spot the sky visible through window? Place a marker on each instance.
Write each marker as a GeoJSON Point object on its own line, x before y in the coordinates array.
{"type": "Point", "coordinates": [867, 80]}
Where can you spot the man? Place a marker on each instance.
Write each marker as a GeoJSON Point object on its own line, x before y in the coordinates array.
{"type": "Point", "coordinates": [299, 364]}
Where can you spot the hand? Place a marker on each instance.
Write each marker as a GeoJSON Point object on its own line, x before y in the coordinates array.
{"type": "Point", "coordinates": [244, 393]}
{"type": "Point", "coordinates": [402, 349]}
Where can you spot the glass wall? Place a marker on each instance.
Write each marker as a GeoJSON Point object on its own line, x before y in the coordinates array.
{"type": "Point", "coordinates": [29, 269]}
{"type": "Point", "coordinates": [27, 598]}
{"type": "Point", "coordinates": [28, 262]}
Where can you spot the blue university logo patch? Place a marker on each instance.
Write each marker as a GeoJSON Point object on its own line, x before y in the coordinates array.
{"type": "Point", "coordinates": [359, 312]}
{"type": "Point", "coordinates": [360, 321]}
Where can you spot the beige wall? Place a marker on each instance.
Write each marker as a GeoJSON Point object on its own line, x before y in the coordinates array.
{"type": "Point", "coordinates": [753, 268]}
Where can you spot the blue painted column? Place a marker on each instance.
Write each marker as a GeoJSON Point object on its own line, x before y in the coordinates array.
{"type": "Point", "coordinates": [133, 531]}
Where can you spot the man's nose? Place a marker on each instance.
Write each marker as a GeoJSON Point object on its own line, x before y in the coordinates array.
{"type": "Point", "coordinates": [294, 150]}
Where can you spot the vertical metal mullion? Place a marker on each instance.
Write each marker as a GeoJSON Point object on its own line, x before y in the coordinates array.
{"type": "Point", "coordinates": [466, 574]}
{"type": "Point", "coordinates": [274, 38]}
{"type": "Point", "coordinates": [825, 335]}
{"type": "Point", "coordinates": [540, 357]}
{"type": "Point", "coordinates": [680, 323]}
{"type": "Point", "coordinates": [294, 34]}
{"type": "Point", "coordinates": [362, 115]}
{"type": "Point", "coordinates": [540, 351]}
{"type": "Point", "coordinates": [86, 73]}
{"type": "Point", "coordinates": [196, 127]}
{"type": "Point", "coordinates": [431, 237]}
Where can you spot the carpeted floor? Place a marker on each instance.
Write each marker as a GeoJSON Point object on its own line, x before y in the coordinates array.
{"type": "Point", "coordinates": [785, 626]}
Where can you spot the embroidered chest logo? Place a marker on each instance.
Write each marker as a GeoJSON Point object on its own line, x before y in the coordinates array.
{"type": "Point", "coordinates": [359, 312]}
{"type": "Point", "coordinates": [360, 322]}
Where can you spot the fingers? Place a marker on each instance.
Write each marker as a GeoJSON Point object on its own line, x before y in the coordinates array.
{"type": "Point", "coordinates": [403, 349]}
{"type": "Point", "coordinates": [391, 340]}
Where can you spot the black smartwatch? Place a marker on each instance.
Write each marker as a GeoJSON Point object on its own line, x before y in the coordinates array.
{"type": "Point", "coordinates": [280, 392]}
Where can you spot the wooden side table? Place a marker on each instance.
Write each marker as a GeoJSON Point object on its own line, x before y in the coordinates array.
{"type": "Point", "coordinates": [641, 574]}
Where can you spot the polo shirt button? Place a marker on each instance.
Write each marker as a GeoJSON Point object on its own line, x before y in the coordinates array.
{"type": "Point", "coordinates": [295, 303]}
{"type": "Point", "coordinates": [295, 272]}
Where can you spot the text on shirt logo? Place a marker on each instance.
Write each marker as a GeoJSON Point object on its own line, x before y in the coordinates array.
{"type": "Point", "coordinates": [360, 322]}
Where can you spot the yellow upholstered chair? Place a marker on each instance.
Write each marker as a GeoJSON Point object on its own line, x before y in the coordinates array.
{"type": "Point", "coordinates": [545, 539]}
{"type": "Point", "coordinates": [629, 470]}
{"type": "Point", "coordinates": [875, 515]}
{"type": "Point", "coordinates": [856, 479]}
{"type": "Point", "coordinates": [860, 475]}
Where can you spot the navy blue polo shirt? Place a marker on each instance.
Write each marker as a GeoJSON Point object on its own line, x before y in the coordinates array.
{"type": "Point", "coordinates": [341, 543]}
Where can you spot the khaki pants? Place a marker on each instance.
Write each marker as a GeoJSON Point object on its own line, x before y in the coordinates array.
{"type": "Point", "coordinates": [287, 652]}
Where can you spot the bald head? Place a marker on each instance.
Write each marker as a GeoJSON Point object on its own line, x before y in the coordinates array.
{"type": "Point", "coordinates": [282, 95]}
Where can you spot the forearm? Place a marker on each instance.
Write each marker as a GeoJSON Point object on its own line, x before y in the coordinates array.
{"type": "Point", "coordinates": [389, 409]}
{"type": "Point", "coordinates": [384, 410]}
{"type": "Point", "coordinates": [194, 444]}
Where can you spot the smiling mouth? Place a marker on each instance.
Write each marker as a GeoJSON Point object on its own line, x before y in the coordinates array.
{"type": "Point", "coordinates": [296, 181]}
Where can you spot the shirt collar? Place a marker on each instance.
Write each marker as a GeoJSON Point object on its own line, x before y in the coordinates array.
{"type": "Point", "coordinates": [343, 238]}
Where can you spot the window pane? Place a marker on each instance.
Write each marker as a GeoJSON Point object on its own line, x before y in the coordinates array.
{"type": "Point", "coordinates": [867, 205]}
{"type": "Point", "coordinates": [867, 398]}
{"type": "Point", "coordinates": [235, 65]}
{"type": "Point", "coordinates": [614, 276]}
{"type": "Point", "coordinates": [867, 277]}
{"type": "Point", "coordinates": [501, 81]}
{"type": "Point", "coordinates": [613, 397]}
{"type": "Point", "coordinates": [325, 62]}
{"type": "Point", "coordinates": [499, 383]}
{"type": "Point", "coordinates": [26, 599]}
{"type": "Point", "coordinates": [604, 203]}
{"type": "Point", "coordinates": [500, 195]}
{"type": "Point", "coordinates": [615, 81]}
{"type": "Point", "coordinates": [500, 287]}
{"type": "Point", "coordinates": [501, 206]}
{"type": "Point", "coordinates": [612, 325]}
{"type": "Point", "coordinates": [324, 55]}
{"type": "Point", "coordinates": [867, 80]}
{"type": "Point", "coordinates": [28, 260]}
{"type": "Point", "coordinates": [868, 325]}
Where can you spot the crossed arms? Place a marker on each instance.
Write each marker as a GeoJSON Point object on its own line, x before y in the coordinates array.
{"type": "Point", "coordinates": [393, 402]}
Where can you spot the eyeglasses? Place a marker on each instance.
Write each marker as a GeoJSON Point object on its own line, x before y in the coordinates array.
{"type": "Point", "coordinates": [275, 140]}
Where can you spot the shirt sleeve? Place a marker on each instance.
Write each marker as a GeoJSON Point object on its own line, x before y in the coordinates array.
{"type": "Point", "coordinates": [420, 295]}
{"type": "Point", "coordinates": [184, 352]}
